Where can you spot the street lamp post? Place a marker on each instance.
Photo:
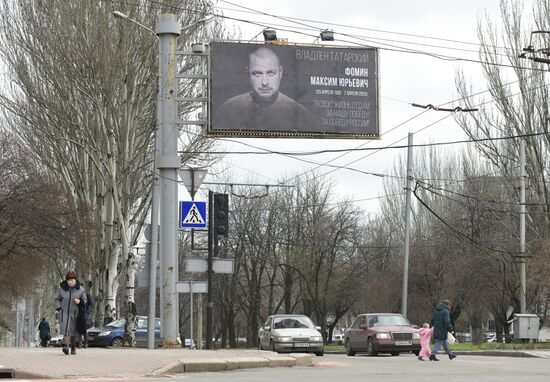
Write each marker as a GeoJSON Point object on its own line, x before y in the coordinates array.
{"type": "Point", "coordinates": [168, 162]}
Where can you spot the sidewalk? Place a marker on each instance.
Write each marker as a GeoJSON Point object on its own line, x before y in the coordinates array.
{"type": "Point", "coordinates": [100, 363]}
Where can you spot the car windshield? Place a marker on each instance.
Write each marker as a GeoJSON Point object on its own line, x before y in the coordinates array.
{"type": "Point", "coordinates": [388, 320]}
{"type": "Point", "coordinates": [292, 323]}
{"type": "Point", "coordinates": [116, 323]}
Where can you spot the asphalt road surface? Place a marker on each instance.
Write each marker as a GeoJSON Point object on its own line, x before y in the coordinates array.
{"type": "Point", "coordinates": [406, 367]}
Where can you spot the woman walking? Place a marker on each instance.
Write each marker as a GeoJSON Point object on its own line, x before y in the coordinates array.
{"type": "Point", "coordinates": [69, 296]}
{"type": "Point", "coordinates": [441, 323]}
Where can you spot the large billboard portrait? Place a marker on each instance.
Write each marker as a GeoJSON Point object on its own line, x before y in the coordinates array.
{"type": "Point", "coordinates": [260, 90]}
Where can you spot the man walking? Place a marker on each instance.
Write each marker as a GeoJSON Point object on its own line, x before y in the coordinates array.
{"type": "Point", "coordinates": [44, 332]}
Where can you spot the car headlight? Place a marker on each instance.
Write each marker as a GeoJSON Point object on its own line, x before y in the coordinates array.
{"type": "Point", "coordinates": [383, 336]}
{"type": "Point", "coordinates": [315, 338]}
{"type": "Point", "coordinates": [416, 336]}
{"type": "Point", "coordinates": [282, 339]}
{"type": "Point", "coordinates": [105, 333]}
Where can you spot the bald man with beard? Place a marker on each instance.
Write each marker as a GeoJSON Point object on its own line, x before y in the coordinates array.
{"type": "Point", "coordinates": [264, 107]}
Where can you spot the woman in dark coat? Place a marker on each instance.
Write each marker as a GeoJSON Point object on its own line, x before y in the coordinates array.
{"type": "Point", "coordinates": [441, 323]}
{"type": "Point", "coordinates": [69, 296]}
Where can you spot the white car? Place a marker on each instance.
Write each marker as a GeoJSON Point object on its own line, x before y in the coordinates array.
{"type": "Point", "coordinates": [56, 341]}
{"type": "Point", "coordinates": [285, 333]}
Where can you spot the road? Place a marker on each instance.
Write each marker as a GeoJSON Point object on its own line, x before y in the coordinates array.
{"type": "Point", "coordinates": [406, 367]}
{"type": "Point", "coordinates": [340, 368]}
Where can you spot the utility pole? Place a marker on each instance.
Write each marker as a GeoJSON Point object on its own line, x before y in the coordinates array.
{"type": "Point", "coordinates": [523, 284]}
{"type": "Point", "coordinates": [405, 286]}
{"type": "Point", "coordinates": [167, 30]}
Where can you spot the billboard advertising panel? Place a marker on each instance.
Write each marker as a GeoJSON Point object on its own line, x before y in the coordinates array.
{"type": "Point", "coordinates": [260, 90]}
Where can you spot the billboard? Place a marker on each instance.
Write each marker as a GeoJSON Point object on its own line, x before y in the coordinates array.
{"type": "Point", "coordinates": [297, 91]}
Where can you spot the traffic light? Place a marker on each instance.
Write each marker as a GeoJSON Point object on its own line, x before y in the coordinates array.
{"type": "Point", "coordinates": [221, 215]}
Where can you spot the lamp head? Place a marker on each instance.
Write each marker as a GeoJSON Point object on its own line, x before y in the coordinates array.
{"type": "Point", "coordinates": [327, 35]}
{"type": "Point", "coordinates": [120, 15]}
{"type": "Point", "coordinates": [269, 34]}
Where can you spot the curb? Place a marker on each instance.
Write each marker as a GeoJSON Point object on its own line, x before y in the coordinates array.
{"type": "Point", "coordinates": [489, 353]}
{"type": "Point", "coordinates": [19, 374]}
{"type": "Point", "coordinates": [499, 353]}
{"type": "Point", "coordinates": [214, 365]}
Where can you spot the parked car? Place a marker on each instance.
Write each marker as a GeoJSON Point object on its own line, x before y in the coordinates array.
{"type": "Point", "coordinates": [290, 333]}
{"type": "Point", "coordinates": [112, 334]}
{"type": "Point", "coordinates": [375, 333]}
{"type": "Point", "coordinates": [490, 336]}
{"type": "Point", "coordinates": [56, 341]}
{"type": "Point", "coordinates": [337, 338]}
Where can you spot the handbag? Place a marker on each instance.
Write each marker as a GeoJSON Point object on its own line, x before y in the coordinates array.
{"type": "Point", "coordinates": [451, 339]}
{"type": "Point", "coordinates": [81, 320]}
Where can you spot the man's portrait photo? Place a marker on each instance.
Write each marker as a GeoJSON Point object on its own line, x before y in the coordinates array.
{"type": "Point", "coordinates": [264, 106]}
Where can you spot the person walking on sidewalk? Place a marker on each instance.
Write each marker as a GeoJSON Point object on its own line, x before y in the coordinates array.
{"type": "Point", "coordinates": [44, 332]}
{"type": "Point", "coordinates": [441, 323]}
{"type": "Point", "coordinates": [69, 296]}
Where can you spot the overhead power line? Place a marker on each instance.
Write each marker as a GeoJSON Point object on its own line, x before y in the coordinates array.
{"type": "Point", "coordinates": [359, 149]}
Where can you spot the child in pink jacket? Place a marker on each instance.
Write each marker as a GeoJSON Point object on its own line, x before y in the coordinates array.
{"type": "Point", "coordinates": [425, 336]}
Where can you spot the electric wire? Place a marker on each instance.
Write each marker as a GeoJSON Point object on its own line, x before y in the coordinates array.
{"type": "Point", "coordinates": [357, 149]}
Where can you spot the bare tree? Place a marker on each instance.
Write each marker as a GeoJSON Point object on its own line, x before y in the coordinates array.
{"type": "Point", "coordinates": [516, 105]}
{"type": "Point", "coordinates": [82, 96]}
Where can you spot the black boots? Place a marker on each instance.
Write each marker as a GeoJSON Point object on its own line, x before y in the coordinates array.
{"type": "Point", "coordinates": [65, 350]}
{"type": "Point", "coordinates": [452, 355]}
{"type": "Point", "coordinates": [73, 345]}
{"type": "Point", "coordinates": [433, 358]}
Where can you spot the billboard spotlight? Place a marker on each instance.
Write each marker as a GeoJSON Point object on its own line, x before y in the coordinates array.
{"type": "Point", "coordinates": [270, 34]}
{"type": "Point", "coordinates": [327, 35]}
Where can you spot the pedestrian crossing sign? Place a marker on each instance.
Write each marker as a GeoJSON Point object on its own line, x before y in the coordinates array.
{"type": "Point", "coordinates": [192, 214]}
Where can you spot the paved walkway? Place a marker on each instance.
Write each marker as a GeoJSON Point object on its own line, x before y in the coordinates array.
{"type": "Point", "coordinates": [104, 363]}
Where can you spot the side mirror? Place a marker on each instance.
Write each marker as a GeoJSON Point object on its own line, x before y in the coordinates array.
{"type": "Point", "coordinates": [318, 328]}
{"type": "Point", "coordinates": [267, 328]}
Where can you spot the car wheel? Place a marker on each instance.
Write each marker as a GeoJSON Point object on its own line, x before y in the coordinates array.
{"type": "Point", "coordinates": [117, 342]}
{"type": "Point", "coordinates": [320, 353]}
{"type": "Point", "coordinates": [260, 345]}
{"type": "Point", "coordinates": [370, 348]}
{"type": "Point", "coordinates": [349, 350]}
{"type": "Point", "coordinates": [416, 352]}
{"type": "Point", "coordinates": [395, 353]}
{"type": "Point", "coordinates": [272, 346]}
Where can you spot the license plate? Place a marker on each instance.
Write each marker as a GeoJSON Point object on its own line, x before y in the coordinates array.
{"type": "Point", "coordinates": [301, 345]}
{"type": "Point", "coordinates": [403, 343]}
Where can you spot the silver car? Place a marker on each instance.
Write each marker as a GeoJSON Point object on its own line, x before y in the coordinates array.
{"type": "Point", "coordinates": [285, 333]}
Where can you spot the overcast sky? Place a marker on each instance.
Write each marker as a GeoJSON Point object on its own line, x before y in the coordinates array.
{"type": "Point", "coordinates": [404, 78]}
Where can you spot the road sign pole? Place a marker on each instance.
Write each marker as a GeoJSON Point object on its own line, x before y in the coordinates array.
{"type": "Point", "coordinates": [191, 318]}
{"type": "Point", "coordinates": [209, 303]}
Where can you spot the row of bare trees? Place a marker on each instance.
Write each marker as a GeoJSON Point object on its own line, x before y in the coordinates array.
{"type": "Point", "coordinates": [81, 100]}
{"type": "Point", "coordinates": [77, 132]}
{"type": "Point", "coordinates": [465, 245]}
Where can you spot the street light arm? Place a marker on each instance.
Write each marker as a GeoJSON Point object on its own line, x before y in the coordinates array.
{"type": "Point", "coordinates": [126, 17]}
{"type": "Point", "coordinates": [205, 20]}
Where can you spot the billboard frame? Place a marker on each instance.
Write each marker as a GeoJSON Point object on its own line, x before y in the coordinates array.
{"type": "Point", "coordinates": [248, 133]}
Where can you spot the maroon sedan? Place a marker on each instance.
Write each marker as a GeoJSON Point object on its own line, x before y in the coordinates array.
{"type": "Point", "coordinates": [375, 333]}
